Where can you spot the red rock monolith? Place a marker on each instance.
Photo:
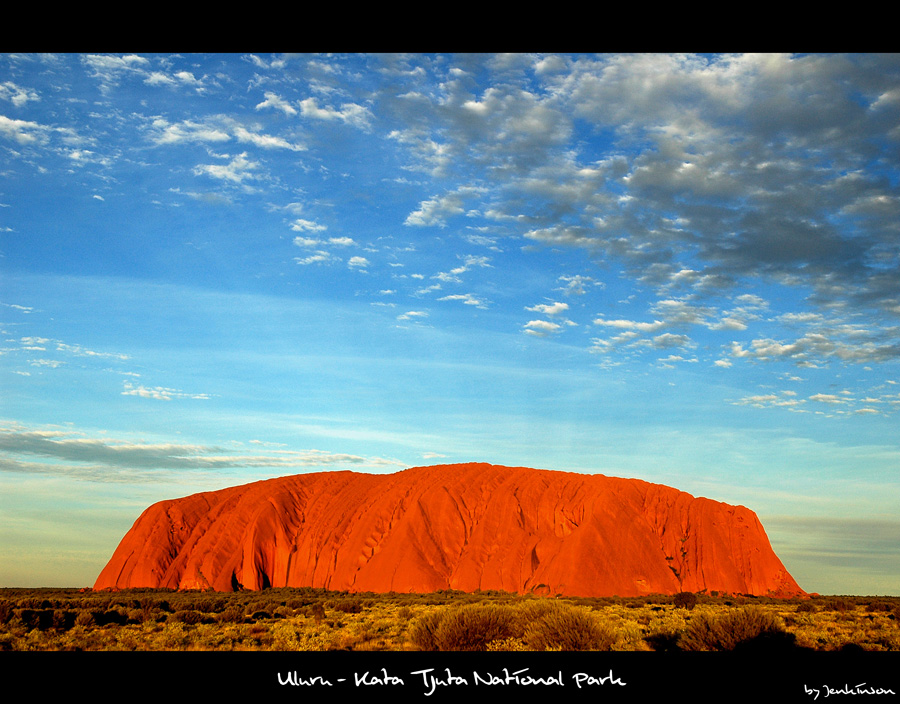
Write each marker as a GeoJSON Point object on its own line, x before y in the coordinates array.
{"type": "Point", "coordinates": [464, 527]}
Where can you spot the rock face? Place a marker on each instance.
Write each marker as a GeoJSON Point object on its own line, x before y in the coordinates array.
{"type": "Point", "coordinates": [464, 527]}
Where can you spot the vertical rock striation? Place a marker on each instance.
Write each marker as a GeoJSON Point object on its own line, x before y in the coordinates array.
{"type": "Point", "coordinates": [464, 526]}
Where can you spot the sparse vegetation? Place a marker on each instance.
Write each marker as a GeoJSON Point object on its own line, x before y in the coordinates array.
{"type": "Point", "coordinates": [685, 600]}
{"type": "Point", "coordinates": [316, 619]}
{"type": "Point", "coordinates": [467, 627]}
{"type": "Point", "coordinates": [567, 628]}
{"type": "Point", "coordinates": [749, 626]}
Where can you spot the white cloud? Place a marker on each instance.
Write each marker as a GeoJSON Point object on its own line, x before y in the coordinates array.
{"type": "Point", "coordinates": [265, 141]}
{"type": "Point", "coordinates": [239, 169]}
{"type": "Point", "coordinates": [349, 113]}
{"type": "Point", "coordinates": [15, 306]}
{"type": "Point", "coordinates": [436, 211]}
{"type": "Point", "coordinates": [772, 401]}
{"type": "Point", "coordinates": [834, 343]}
{"type": "Point", "coordinates": [826, 398]}
{"type": "Point", "coordinates": [17, 95]}
{"type": "Point", "coordinates": [469, 262]}
{"type": "Point", "coordinates": [159, 393]}
{"type": "Point", "coordinates": [577, 285]}
{"type": "Point", "coordinates": [23, 131]}
{"type": "Point", "coordinates": [549, 308]}
{"type": "Point", "coordinates": [541, 328]}
{"type": "Point", "coordinates": [164, 132]}
{"type": "Point", "coordinates": [467, 298]}
{"type": "Point", "coordinates": [631, 324]}
{"type": "Point", "coordinates": [319, 257]}
{"type": "Point", "coordinates": [668, 340]}
{"type": "Point", "coordinates": [274, 101]}
{"type": "Point", "coordinates": [412, 315]}
{"type": "Point", "coordinates": [51, 363]}
{"type": "Point", "coordinates": [110, 70]}
{"type": "Point", "coordinates": [177, 79]}
{"type": "Point", "coordinates": [303, 225]}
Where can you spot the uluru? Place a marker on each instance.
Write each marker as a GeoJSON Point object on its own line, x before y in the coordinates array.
{"type": "Point", "coordinates": [463, 527]}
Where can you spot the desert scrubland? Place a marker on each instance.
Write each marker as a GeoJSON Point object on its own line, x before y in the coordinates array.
{"type": "Point", "coordinates": [306, 619]}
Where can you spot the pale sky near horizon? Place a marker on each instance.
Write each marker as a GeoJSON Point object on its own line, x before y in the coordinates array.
{"type": "Point", "coordinates": [221, 268]}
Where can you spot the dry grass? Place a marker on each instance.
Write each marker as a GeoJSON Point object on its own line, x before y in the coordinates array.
{"type": "Point", "coordinates": [750, 626]}
{"type": "Point", "coordinates": [311, 619]}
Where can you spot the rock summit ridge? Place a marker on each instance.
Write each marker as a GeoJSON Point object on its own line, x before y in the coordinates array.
{"type": "Point", "coordinates": [462, 526]}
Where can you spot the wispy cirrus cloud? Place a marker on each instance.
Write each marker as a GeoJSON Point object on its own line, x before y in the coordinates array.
{"type": "Point", "coordinates": [159, 393]}
{"type": "Point", "coordinates": [80, 455]}
{"type": "Point", "coordinates": [35, 348]}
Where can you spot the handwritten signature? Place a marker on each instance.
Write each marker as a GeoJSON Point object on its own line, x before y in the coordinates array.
{"type": "Point", "coordinates": [861, 688]}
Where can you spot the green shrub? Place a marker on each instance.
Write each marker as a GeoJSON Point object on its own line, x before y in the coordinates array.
{"type": "Point", "coordinates": [63, 620]}
{"type": "Point", "coordinates": [316, 612]}
{"type": "Point", "coordinates": [742, 628]}
{"type": "Point", "coordinates": [685, 600]}
{"type": "Point", "coordinates": [188, 617]}
{"type": "Point", "coordinates": [233, 614]}
{"type": "Point", "coordinates": [421, 632]}
{"type": "Point", "coordinates": [569, 628]}
{"type": "Point", "coordinates": [283, 612]}
{"type": "Point", "coordinates": [347, 606]}
{"type": "Point", "coordinates": [85, 618]}
{"type": "Point", "coordinates": [111, 616]}
{"type": "Point", "coordinates": [663, 640]}
{"type": "Point", "coordinates": [840, 604]}
{"type": "Point", "coordinates": [209, 605]}
{"type": "Point", "coordinates": [471, 627]}
{"type": "Point", "coordinates": [41, 619]}
{"type": "Point", "coordinates": [263, 605]}
{"type": "Point", "coordinates": [536, 609]}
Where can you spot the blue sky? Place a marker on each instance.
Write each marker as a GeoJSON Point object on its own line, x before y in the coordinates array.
{"type": "Point", "coordinates": [216, 269]}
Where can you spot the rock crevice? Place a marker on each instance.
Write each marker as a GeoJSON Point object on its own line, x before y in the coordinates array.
{"type": "Point", "coordinates": [465, 526]}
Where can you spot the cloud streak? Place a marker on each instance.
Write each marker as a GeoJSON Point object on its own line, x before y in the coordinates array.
{"type": "Point", "coordinates": [73, 453]}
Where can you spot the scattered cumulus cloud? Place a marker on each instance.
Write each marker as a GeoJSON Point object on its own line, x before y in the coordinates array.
{"type": "Point", "coordinates": [549, 308]}
{"type": "Point", "coordinates": [466, 298]}
{"type": "Point", "coordinates": [348, 113]}
{"type": "Point", "coordinates": [541, 328]}
{"type": "Point", "coordinates": [413, 315]}
{"type": "Point", "coordinates": [754, 218]}
{"type": "Point", "coordinates": [303, 225]}
{"type": "Point", "coordinates": [239, 169]}
{"type": "Point", "coordinates": [17, 95]}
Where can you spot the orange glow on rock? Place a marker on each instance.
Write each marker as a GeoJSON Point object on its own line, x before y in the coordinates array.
{"type": "Point", "coordinates": [465, 526]}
